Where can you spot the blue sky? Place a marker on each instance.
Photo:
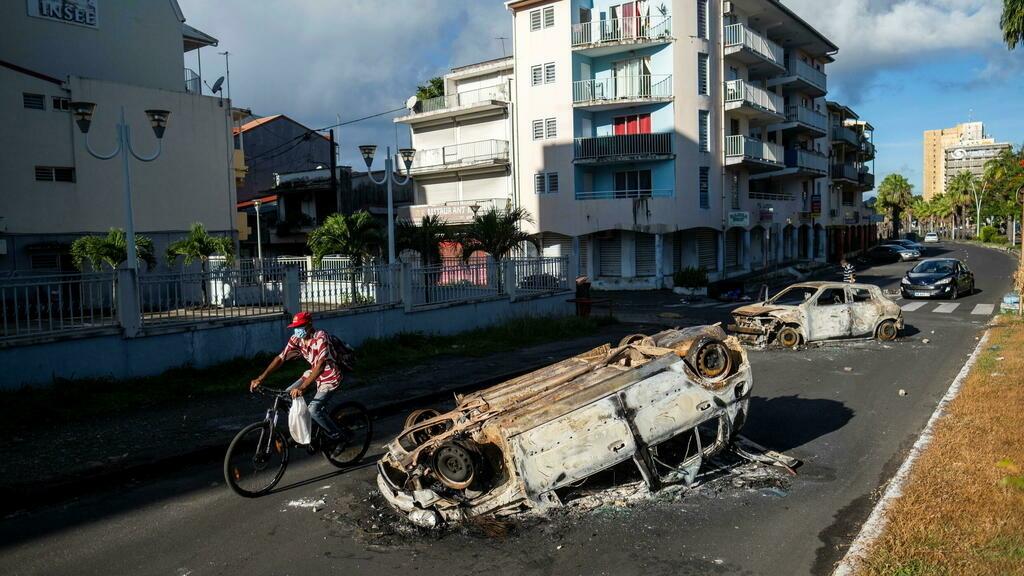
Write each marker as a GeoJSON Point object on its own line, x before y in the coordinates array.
{"type": "Point", "coordinates": [904, 65]}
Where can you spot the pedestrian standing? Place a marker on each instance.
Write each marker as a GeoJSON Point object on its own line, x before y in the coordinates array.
{"type": "Point", "coordinates": [848, 271]}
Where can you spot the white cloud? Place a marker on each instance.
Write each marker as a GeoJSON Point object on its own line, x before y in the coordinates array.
{"type": "Point", "coordinates": [878, 35]}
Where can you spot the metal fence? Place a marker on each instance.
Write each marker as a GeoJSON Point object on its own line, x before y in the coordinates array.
{"type": "Point", "coordinates": [338, 288]}
{"type": "Point", "coordinates": [455, 281]}
{"type": "Point", "coordinates": [38, 305]}
{"type": "Point", "coordinates": [211, 295]}
{"type": "Point", "coordinates": [539, 275]}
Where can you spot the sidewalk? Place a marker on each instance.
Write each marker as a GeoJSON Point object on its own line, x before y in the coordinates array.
{"type": "Point", "coordinates": [61, 462]}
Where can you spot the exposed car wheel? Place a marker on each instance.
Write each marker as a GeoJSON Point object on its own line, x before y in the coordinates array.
{"type": "Point", "coordinates": [712, 360]}
{"type": "Point", "coordinates": [453, 465]}
{"type": "Point", "coordinates": [788, 337]}
{"type": "Point", "coordinates": [887, 331]}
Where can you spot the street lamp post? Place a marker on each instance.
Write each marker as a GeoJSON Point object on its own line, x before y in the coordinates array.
{"type": "Point", "coordinates": [407, 154]}
{"type": "Point", "coordinates": [259, 235]}
{"type": "Point", "coordinates": [83, 112]}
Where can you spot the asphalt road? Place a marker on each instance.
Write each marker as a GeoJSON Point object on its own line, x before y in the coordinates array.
{"type": "Point", "coordinates": [835, 407]}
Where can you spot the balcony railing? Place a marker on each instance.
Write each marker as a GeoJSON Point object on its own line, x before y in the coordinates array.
{"type": "Point", "coordinates": [844, 134]}
{"type": "Point", "coordinates": [797, 67]}
{"type": "Point", "coordinates": [806, 160]}
{"type": "Point", "coordinates": [844, 171]}
{"type": "Point", "coordinates": [742, 91]}
{"type": "Point", "coordinates": [807, 116]}
{"type": "Point", "coordinates": [866, 179]}
{"type": "Point", "coordinates": [867, 149]}
{"type": "Point", "coordinates": [623, 194]}
{"type": "Point", "coordinates": [740, 35]}
{"type": "Point", "coordinates": [193, 83]}
{"type": "Point", "coordinates": [498, 93]}
{"type": "Point", "coordinates": [631, 29]}
{"type": "Point", "coordinates": [622, 88]}
{"type": "Point", "coordinates": [623, 146]}
{"type": "Point", "coordinates": [753, 149]}
{"type": "Point", "coordinates": [460, 155]}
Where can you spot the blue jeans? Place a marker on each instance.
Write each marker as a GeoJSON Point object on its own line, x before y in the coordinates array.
{"type": "Point", "coordinates": [320, 410]}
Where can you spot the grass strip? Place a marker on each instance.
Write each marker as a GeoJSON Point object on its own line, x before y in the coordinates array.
{"type": "Point", "coordinates": [962, 510]}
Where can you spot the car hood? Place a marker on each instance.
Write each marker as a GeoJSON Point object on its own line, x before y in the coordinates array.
{"type": "Point", "coordinates": [927, 278]}
{"type": "Point", "coordinates": [761, 310]}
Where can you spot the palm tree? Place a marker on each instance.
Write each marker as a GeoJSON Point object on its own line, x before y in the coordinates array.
{"type": "Point", "coordinates": [895, 196]}
{"type": "Point", "coordinates": [111, 250]}
{"type": "Point", "coordinates": [1012, 23]}
{"type": "Point", "coordinates": [942, 207]}
{"type": "Point", "coordinates": [357, 236]}
{"type": "Point", "coordinates": [958, 191]}
{"type": "Point", "coordinates": [199, 245]}
{"type": "Point", "coordinates": [425, 239]}
{"type": "Point", "coordinates": [919, 209]}
{"type": "Point", "coordinates": [497, 233]}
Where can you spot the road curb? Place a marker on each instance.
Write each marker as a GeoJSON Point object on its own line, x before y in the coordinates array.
{"type": "Point", "coordinates": [876, 522]}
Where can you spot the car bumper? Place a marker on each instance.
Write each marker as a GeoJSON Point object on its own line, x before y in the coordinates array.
{"type": "Point", "coordinates": [927, 291]}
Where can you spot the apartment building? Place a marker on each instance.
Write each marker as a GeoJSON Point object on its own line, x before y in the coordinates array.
{"type": "Point", "coordinates": [126, 55]}
{"type": "Point", "coordinates": [683, 133]}
{"type": "Point", "coordinates": [277, 144]}
{"type": "Point", "coordinates": [971, 157]}
{"type": "Point", "coordinates": [936, 145]}
{"type": "Point", "coordinates": [463, 162]}
{"type": "Point", "coordinates": [852, 151]}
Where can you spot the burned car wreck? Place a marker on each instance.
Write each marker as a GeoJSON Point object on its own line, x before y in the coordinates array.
{"type": "Point", "coordinates": [665, 402]}
{"type": "Point", "coordinates": [817, 311]}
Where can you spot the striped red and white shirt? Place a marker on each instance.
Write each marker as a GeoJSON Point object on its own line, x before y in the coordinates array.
{"type": "Point", "coordinates": [314, 350]}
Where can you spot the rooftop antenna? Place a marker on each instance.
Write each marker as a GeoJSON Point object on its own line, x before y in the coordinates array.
{"type": "Point", "coordinates": [502, 40]}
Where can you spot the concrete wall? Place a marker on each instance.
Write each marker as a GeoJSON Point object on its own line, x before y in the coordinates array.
{"type": "Point", "coordinates": [119, 358]}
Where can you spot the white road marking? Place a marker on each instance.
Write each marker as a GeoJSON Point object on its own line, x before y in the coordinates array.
{"type": "Point", "coordinates": [913, 306]}
{"type": "Point", "coordinates": [945, 308]}
{"type": "Point", "coordinates": [984, 309]}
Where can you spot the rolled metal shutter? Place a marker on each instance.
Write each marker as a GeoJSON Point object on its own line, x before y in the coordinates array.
{"type": "Point", "coordinates": [646, 264]}
{"type": "Point", "coordinates": [707, 249]}
{"type": "Point", "coordinates": [732, 248]}
{"type": "Point", "coordinates": [584, 256]}
{"type": "Point", "coordinates": [554, 245]}
{"type": "Point", "coordinates": [610, 255]}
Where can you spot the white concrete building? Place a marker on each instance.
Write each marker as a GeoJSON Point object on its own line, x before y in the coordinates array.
{"type": "Point", "coordinates": [116, 54]}
{"type": "Point", "coordinates": [462, 139]}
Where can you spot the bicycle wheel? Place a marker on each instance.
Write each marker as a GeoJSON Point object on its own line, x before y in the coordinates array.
{"type": "Point", "coordinates": [352, 417]}
{"type": "Point", "coordinates": [256, 460]}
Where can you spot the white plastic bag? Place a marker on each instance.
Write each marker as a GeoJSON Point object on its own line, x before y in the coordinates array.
{"type": "Point", "coordinates": [298, 421]}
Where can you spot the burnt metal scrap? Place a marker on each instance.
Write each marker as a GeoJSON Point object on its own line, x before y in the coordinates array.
{"type": "Point", "coordinates": [818, 311]}
{"type": "Point", "coordinates": [665, 402]}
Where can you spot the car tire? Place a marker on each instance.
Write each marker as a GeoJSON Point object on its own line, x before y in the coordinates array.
{"type": "Point", "coordinates": [887, 331]}
{"type": "Point", "coordinates": [788, 337]}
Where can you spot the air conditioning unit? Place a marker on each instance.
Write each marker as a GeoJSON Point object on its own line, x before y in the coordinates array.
{"type": "Point", "coordinates": [728, 8]}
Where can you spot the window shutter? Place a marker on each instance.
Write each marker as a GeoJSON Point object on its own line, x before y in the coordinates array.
{"type": "Point", "coordinates": [610, 255]}
{"type": "Point", "coordinates": [707, 249]}
{"type": "Point", "coordinates": [538, 183]}
{"type": "Point", "coordinates": [703, 118]}
{"type": "Point", "coordinates": [702, 18]}
{"type": "Point", "coordinates": [702, 74]}
{"type": "Point", "coordinates": [550, 128]}
{"type": "Point", "coordinates": [44, 173]}
{"type": "Point", "coordinates": [549, 73]}
{"type": "Point", "coordinates": [646, 263]}
{"type": "Point", "coordinates": [63, 174]}
{"type": "Point", "coordinates": [549, 16]}
{"type": "Point", "coordinates": [552, 181]}
{"type": "Point", "coordinates": [534, 20]}
{"type": "Point", "coordinates": [34, 101]}
{"type": "Point", "coordinates": [705, 200]}
{"type": "Point", "coordinates": [538, 129]}
{"type": "Point", "coordinates": [536, 75]}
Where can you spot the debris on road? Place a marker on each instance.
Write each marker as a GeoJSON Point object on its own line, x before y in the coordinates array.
{"type": "Point", "coordinates": [653, 407]}
{"type": "Point", "coordinates": [902, 392]}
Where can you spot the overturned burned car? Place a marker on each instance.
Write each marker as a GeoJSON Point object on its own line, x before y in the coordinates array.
{"type": "Point", "coordinates": [665, 402]}
{"type": "Point", "coordinates": [816, 311]}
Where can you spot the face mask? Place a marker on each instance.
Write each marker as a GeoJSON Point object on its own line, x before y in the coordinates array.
{"type": "Point", "coordinates": [300, 332]}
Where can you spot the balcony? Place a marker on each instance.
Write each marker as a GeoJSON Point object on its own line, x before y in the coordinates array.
{"type": "Point", "coordinates": [752, 154]}
{"type": "Point", "coordinates": [801, 76]}
{"type": "Point", "coordinates": [865, 179]}
{"type": "Point", "coordinates": [806, 162]}
{"type": "Point", "coordinates": [845, 172]}
{"type": "Point", "coordinates": [624, 194]}
{"type": "Point", "coordinates": [193, 83]}
{"type": "Point", "coordinates": [844, 135]}
{"type": "Point", "coordinates": [602, 37]}
{"type": "Point", "coordinates": [800, 119]}
{"type": "Point", "coordinates": [625, 148]}
{"type": "Point", "coordinates": [481, 156]}
{"type": "Point", "coordinates": [487, 99]}
{"type": "Point", "coordinates": [748, 100]}
{"type": "Point", "coordinates": [762, 56]}
{"type": "Point", "coordinates": [618, 91]}
{"type": "Point", "coordinates": [867, 150]}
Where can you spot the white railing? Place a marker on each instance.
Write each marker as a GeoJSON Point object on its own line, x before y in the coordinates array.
{"type": "Point", "coordinates": [457, 155]}
{"type": "Point", "coordinates": [740, 35]}
{"type": "Point", "coordinates": [624, 194]}
{"type": "Point", "coordinates": [807, 116]}
{"type": "Point", "coordinates": [630, 29]}
{"type": "Point", "coordinates": [807, 159]}
{"type": "Point", "coordinates": [193, 83]}
{"type": "Point", "coordinates": [455, 282]}
{"type": "Point", "coordinates": [753, 149]}
{"type": "Point", "coordinates": [844, 134]}
{"type": "Point", "coordinates": [66, 303]}
{"type": "Point", "coordinates": [742, 91]}
{"type": "Point", "coordinates": [656, 144]}
{"type": "Point", "coordinates": [809, 73]}
{"type": "Point", "coordinates": [540, 275]}
{"type": "Point", "coordinates": [622, 88]}
{"type": "Point", "coordinates": [498, 92]}
{"type": "Point", "coordinates": [338, 288]}
{"type": "Point", "coordinates": [189, 297]}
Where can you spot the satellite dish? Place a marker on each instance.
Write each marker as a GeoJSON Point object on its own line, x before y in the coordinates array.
{"type": "Point", "coordinates": [217, 85]}
{"type": "Point", "coordinates": [412, 102]}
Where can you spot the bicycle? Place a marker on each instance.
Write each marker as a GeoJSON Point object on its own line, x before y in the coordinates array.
{"type": "Point", "coordinates": [258, 455]}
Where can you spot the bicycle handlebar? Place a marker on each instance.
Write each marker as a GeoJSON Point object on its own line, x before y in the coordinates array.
{"type": "Point", "coordinates": [273, 392]}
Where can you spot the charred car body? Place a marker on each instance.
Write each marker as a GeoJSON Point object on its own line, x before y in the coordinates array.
{"type": "Point", "coordinates": [665, 402]}
{"type": "Point", "coordinates": [816, 311]}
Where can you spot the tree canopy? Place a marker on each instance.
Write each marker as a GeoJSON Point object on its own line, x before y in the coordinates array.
{"type": "Point", "coordinates": [432, 89]}
{"type": "Point", "coordinates": [497, 233]}
{"type": "Point", "coordinates": [111, 250]}
{"type": "Point", "coordinates": [200, 245]}
{"type": "Point", "coordinates": [1012, 23]}
{"type": "Point", "coordinates": [358, 236]}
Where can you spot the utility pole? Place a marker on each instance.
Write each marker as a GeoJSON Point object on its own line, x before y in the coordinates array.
{"type": "Point", "coordinates": [334, 174]}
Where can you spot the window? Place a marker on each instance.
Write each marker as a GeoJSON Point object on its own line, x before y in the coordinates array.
{"type": "Point", "coordinates": [552, 182]}
{"type": "Point", "coordinates": [704, 120]}
{"type": "Point", "coordinates": [702, 74]}
{"type": "Point", "coordinates": [549, 16]}
{"type": "Point", "coordinates": [702, 18]}
{"type": "Point", "coordinates": [61, 104]}
{"type": "Point", "coordinates": [538, 129]}
{"type": "Point", "coordinates": [545, 183]}
{"type": "Point", "coordinates": [44, 262]}
{"type": "Point", "coordinates": [549, 73]}
{"type": "Point", "coordinates": [832, 297]}
{"type": "Point", "coordinates": [34, 101]}
{"type": "Point", "coordinates": [704, 186]}
{"type": "Point", "coordinates": [534, 20]}
{"type": "Point", "coordinates": [735, 192]}
{"type": "Point", "coordinates": [632, 124]}
{"type": "Point", "coordinates": [633, 181]}
{"type": "Point", "coordinates": [550, 128]}
{"type": "Point", "coordinates": [54, 174]}
{"type": "Point", "coordinates": [538, 183]}
{"type": "Point", "coordinates": [536, 75]}
{"type": "Point", "coordinates": [861, 294]}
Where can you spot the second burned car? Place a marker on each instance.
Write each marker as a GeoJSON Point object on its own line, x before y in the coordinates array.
{"type": "Point", "coordinates": [817, 311]}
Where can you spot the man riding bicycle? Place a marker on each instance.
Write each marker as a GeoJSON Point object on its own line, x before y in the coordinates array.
{"type": "Point", "coordinates": [315, 347]}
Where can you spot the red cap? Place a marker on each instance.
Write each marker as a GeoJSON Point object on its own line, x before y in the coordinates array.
{"type": "Point", "coordinates": [301, 319]}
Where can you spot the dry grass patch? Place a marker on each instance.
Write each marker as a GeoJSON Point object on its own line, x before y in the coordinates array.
{"type": "Point", "coordinates": [962, 509]}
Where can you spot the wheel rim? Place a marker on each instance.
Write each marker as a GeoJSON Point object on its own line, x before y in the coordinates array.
{"type": "Point", "coordinates": [453, 465]}
{"type": "Point", "coordinates": [356, 422]}
{"type": "Point", "coordinates": [257, 459]}
{"type": "Point", "coordinates": [788, 337]}
{"type": "Point", "coordinates": [713, 360]}
{"type": "Point", "coordinates": [887, 331]}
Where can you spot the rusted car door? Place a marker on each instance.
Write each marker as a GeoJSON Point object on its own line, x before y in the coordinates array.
{"type": "Point", "coordinates": [864, 311]}
{"type": "Point", "coordinates": [828, 315]}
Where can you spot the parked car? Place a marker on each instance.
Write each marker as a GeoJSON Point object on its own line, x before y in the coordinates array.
{"type": "Point", "coordinates": [909, 244]}
{"type": "Point", "coordinates": [662, 403]}
{"type": "Point", "coordinates": [906, 254]}
{"type": "Point", "coordinates": [943, 277]}
{"type": "Point", "coordinates": [888, 253]}
{"type": "Point", "coordinates": [931, 238]}
{"type": "Point", "coordinates": [816, 311]}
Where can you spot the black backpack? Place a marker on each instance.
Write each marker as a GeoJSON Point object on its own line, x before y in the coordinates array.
{"type": "Point", "coordinates": [344, 354]}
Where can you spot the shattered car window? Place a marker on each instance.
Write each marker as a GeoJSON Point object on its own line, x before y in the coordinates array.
{"type": "Point", "coordinates": [794, 296]}
{"type": "Point", "coordinates": [861, 294]}
{"type": "Point", "coordinates": [832, 297]}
